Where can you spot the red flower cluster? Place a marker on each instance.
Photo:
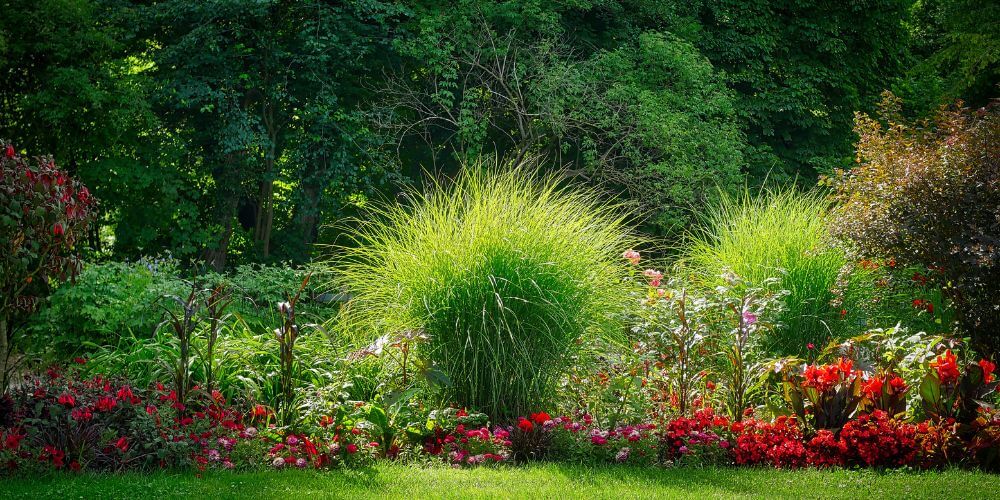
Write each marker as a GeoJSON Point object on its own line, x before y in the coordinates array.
{"type": "Point", "coordinates": [825, 450]}
{"type": "Point", "coordinates": [824, 377]}
{"type": "Point", "coordinates": [988, 369]}
{"type": "Point", "coordinates": [926, 305]}
{"type": "Point", "coordinates": [947, 367]}
{"type": "Point", "coordinates": [877, 440]}
{"type": "Point", "coordinates": [777, 443]}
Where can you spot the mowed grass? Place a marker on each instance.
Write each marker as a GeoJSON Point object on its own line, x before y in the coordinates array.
{"type": "Point", "coordinates": [536, 481]}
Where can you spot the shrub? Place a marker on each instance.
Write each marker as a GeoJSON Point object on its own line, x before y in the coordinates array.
{"type": "Point", "coordinates": [114, 303]}
{"type": "Point", "coordinates": [43, 212]}
{"type": "Point", "coordinates": [777, 234]}
{"type": "Point", "coordinates": [928, 193]}
{"type": "Point", "coordinates": [504, 271]}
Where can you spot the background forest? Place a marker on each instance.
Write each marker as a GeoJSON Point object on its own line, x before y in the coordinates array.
{"type": "Point", "coordinates": [235, 132]}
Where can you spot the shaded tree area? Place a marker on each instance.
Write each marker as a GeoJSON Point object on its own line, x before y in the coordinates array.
{"type": "Point", "coordinates": [232, 131]}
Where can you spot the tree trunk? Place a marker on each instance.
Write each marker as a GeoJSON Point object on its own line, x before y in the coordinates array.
{"type": "Point", "coordinates": [308, 214]}
{"type": "Point", "coordinates": [265, 215]}
{"type": "Point", "coordinates": [227, 200]}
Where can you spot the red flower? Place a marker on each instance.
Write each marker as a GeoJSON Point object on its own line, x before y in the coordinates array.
{"type": "Point", "coordinates": [80, 361]}
{"type": "Point", "coordinates": [105, 404]}
{"type": "Point", "coordinates": [57, 229]}
{"type": "Point", "coordinates": [898, 384]}
{"type": "Point", "coordinates": [988, 369]}
{"type": "Point", "coordinates": [810, 346]}
{"type": "Point", "coordinates": [122, 444]}
{"type": "Point", "coordinates": [947, 367]}
{"type": "Point", "coordinates": [82, 414]}
{"type": "Point", "coordinates": [462, 413]}
{"type": "Point", "coordinates": [259, 411]}
{"type": "Point", "coordinates": [125, 393]}
{"type": "Point", "coordinates": [525, 424]}
{"type": "Point", "coordinates": [845, 366]}
{"type": "Point", "coordinates": [13, 440]}
{"type": "Point", "coordinates": [352, 448]}
{"type": "Point", "coordinates": [873, 388]}
{"type": "Point", "coordinates": [10, 151]}
{"type": "Point", "coordinates": [540, 418]}
{"type": "Point", "coordinates": [309, 447]}
{"type": "Point", "coordinates": [325, 421]}
{"type": "Point", "coordinates": [67, 400]}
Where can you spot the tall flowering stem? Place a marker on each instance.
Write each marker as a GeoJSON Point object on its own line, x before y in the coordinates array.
{"type": "Point", "coordinates": [287, 334]}
{"type": "Point", "coordinates": [751, 310]}
{"type": "Point", "coordinates": [183, 325]}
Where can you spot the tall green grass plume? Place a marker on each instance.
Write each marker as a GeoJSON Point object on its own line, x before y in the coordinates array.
{"type": "Point", "coordinates": [782, 234]}
{"type": "Point", "coordinates": [506, 270]}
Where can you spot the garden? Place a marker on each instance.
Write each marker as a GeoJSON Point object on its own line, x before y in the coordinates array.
{"type": "Point", "coordinates": [508, 250]}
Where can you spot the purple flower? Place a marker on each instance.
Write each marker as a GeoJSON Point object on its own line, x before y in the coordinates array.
{"type": "Point", "coordinates": [301, 463]}
{"type": "Point", "coordinates": [622, 455]}
{"type": "Point", "coordinates": [749, 317]}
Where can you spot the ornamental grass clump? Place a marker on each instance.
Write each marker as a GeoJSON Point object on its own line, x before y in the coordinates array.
{"type": "Point", "coordinates": [778, 234]}
{"type": "Point", "coordinates": [505, 270]}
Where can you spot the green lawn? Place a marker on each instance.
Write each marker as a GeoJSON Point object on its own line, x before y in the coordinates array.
{"type": "Point", "coordinates": [538, 481]}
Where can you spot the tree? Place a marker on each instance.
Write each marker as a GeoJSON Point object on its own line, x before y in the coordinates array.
{"type": "Point", "coordinates": [255, 88]}
{"type": "Point", "coordinates": [800, 70]}
{"type": "Point", "coordinates": [649, 118]}
{"type": "Point", "coordinates": [43, 212]}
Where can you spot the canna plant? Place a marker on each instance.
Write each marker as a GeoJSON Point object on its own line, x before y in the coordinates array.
{"type": "Point", "coordinates": [183, 326]}
{"type": "Point", "coordinates": [947, 393]}
{"type": "Point", "coordinates": [823, 396]}
{"type": "Point", "coordinates": [287, 333]}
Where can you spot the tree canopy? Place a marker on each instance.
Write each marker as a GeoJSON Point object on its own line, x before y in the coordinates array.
{"type": "Point", "coordinates": [232, 131]}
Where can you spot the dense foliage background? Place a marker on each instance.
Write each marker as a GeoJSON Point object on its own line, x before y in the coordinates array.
{"type": "Point", "coordinates": [234, 132]}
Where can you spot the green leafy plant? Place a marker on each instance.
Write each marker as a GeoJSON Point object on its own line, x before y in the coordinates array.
{"type": "Point", "coordinates": [506, 272]}
{"type": "Point", "coordinates": [751, 312]}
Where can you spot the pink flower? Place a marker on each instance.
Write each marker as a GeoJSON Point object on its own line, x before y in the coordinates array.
{"type": "Point", "coordinates": [654, 277]}
{"type": "Point", "coordinates": [749, 317]}
{"type": "Point", "coordinates": [632, 256]}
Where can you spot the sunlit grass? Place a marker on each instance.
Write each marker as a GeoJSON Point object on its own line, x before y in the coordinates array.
{"type": "Point", "coordinates": [503, 268]}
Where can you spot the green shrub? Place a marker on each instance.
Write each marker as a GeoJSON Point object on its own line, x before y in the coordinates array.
{"type": "Point", "coordinates": [107, 301]}
{"type": "Point", "coordinates": [778, 234]}
{"type": "Point", "coordinates": [505, 272]}
{"type": "Point", "coordinates": [123, 300]}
